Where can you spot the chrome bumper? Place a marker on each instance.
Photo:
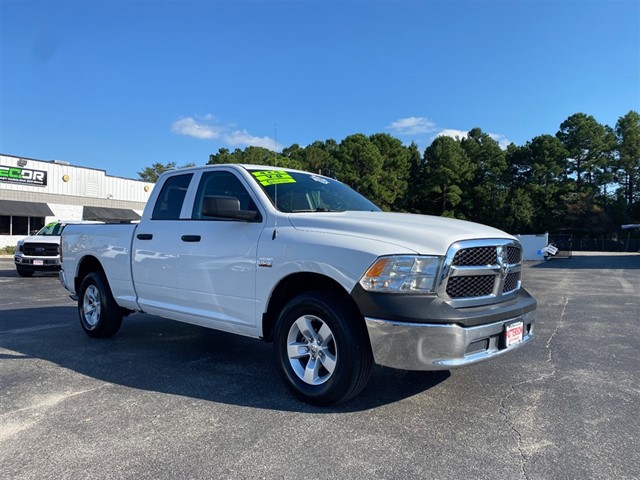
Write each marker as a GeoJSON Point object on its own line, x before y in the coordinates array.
{"type": "Point", "coordinates": [47, 262]}
{"type": "Point", "coordinates": [429, 346]}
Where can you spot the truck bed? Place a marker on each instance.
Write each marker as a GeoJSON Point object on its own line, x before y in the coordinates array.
{"type": "Point", "coordinates": [105, 241]}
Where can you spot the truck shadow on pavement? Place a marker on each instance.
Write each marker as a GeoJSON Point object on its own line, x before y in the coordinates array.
{"type": "Point", "coordinates": [154, 354]}
{"type": "Point", "coordinates": [14, 274]}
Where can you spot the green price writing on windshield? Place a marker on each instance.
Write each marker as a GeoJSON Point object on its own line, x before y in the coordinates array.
{"type": "Point", "coordinates": [273, 177]}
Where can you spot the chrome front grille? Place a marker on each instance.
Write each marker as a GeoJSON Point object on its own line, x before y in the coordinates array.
{"type": "Point", "coordinates": [511, 283]}
{"type": "Point", "coordinates": [476, 286]}
{"type": "Point", "coordinates": [475, 256]}
{"type": "Point", "coordinates": [514, 254]}
{"type": "Point", "coordinates": [481, 272]}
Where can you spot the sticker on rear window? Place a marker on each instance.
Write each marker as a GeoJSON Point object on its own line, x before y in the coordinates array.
{"type": "Point", "coordinates": [273, 177]}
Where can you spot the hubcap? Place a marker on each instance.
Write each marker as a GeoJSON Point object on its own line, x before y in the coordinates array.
{"type": "Point", "coordinates": [91, 306]}
{"type": "Point", "coordinates": [312, 350]}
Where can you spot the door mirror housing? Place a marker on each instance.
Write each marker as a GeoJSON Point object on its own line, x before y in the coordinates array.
{"type": "Point", "coordinates": [226, 207]}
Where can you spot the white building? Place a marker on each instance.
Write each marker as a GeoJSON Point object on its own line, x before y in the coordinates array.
{"type": "Point", "coordinates": [36, 192]}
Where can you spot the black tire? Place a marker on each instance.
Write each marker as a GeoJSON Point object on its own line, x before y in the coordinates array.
{"type": "Point", "coordinates": [24, 272]}
{"type": "Point", "coordinates": [100, 315]}
{"type": "Point", "coordinates": [322, 371]}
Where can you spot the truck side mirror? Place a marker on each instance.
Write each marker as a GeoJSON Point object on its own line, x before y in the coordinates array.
{"type": "Point", "coordinates": [226, 207]}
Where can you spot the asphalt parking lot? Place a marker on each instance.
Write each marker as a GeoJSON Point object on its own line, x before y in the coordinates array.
{"type": "Point", "coordinates": [164, 400]}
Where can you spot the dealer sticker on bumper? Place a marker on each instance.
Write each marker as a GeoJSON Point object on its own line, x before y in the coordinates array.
{"type": "Point", "coordinates": [514, 333]}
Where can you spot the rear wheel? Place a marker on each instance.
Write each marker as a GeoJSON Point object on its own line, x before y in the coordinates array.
{"type": "Point", "coordinates": [24, 272]}
{"type": "Point", "coordinates": [100, 315]}
{"type": "Point", "coordinates": [321, 348]}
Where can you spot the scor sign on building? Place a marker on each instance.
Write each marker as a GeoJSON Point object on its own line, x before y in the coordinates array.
{"type": "Point", "coordinates": [35, 192]}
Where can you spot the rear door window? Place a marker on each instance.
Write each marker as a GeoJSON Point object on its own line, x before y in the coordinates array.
{"type": "Point", "coordinates": [169, 203]}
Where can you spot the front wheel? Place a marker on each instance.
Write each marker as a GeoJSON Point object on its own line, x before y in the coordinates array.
{"type": "Point", "coordinates": [100, 315]}
{"type": "Point", "coordinates": [24, 272]}
{"type": "Point", "coordinates": [322, 349]}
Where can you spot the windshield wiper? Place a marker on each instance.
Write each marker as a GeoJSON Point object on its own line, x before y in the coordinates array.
{"type": "Point", "coordinates": [319, 209]}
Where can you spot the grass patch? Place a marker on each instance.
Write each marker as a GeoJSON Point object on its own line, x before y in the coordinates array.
{"type": "Point", "coordinates": [8, 250]}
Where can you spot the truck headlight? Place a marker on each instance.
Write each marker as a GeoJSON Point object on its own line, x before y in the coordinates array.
{"type": "Point", "coordinates": [402, 274]}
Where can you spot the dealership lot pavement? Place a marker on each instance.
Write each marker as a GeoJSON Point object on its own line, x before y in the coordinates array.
{"type": "Point", "coordinates": [164, 400]}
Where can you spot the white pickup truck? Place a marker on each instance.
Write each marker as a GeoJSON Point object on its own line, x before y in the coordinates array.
{"type": "Point", "coordinates": [303, 261]}
{"type": "Point", "coordinates": [39, 252]}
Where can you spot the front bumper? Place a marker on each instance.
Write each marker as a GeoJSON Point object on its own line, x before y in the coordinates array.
{"type": "Point", "coordinates": [436, 346]}
{"type": "Point", "coordinates": [37, 264]}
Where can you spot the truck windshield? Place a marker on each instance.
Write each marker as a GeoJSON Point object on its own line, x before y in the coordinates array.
{"type": "Point", "coordinates": [51, 229]}
{"type": "Point", "coordinates": [305, 192]}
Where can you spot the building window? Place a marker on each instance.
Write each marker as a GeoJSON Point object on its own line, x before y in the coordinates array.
{"type": "Point", "coordinates": [14, 225]}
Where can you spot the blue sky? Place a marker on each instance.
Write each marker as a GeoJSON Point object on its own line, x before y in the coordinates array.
{"type": "Point", "coordinates": [119, 85]}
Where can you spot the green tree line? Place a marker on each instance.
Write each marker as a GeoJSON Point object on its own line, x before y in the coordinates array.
{"type": "Point", "coordinates": [585, 179]}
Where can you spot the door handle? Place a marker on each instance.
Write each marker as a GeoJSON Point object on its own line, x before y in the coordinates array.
{"type": "Point", "coordinates": [190, 238]}
{"type": "Point", "coordinates": [144, 236]}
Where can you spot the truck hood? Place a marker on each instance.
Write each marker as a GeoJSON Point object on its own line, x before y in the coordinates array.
{"type": "Point", "coordinates": [42, 239]}
{"type": "Point", "coordinates": [423, 234]}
